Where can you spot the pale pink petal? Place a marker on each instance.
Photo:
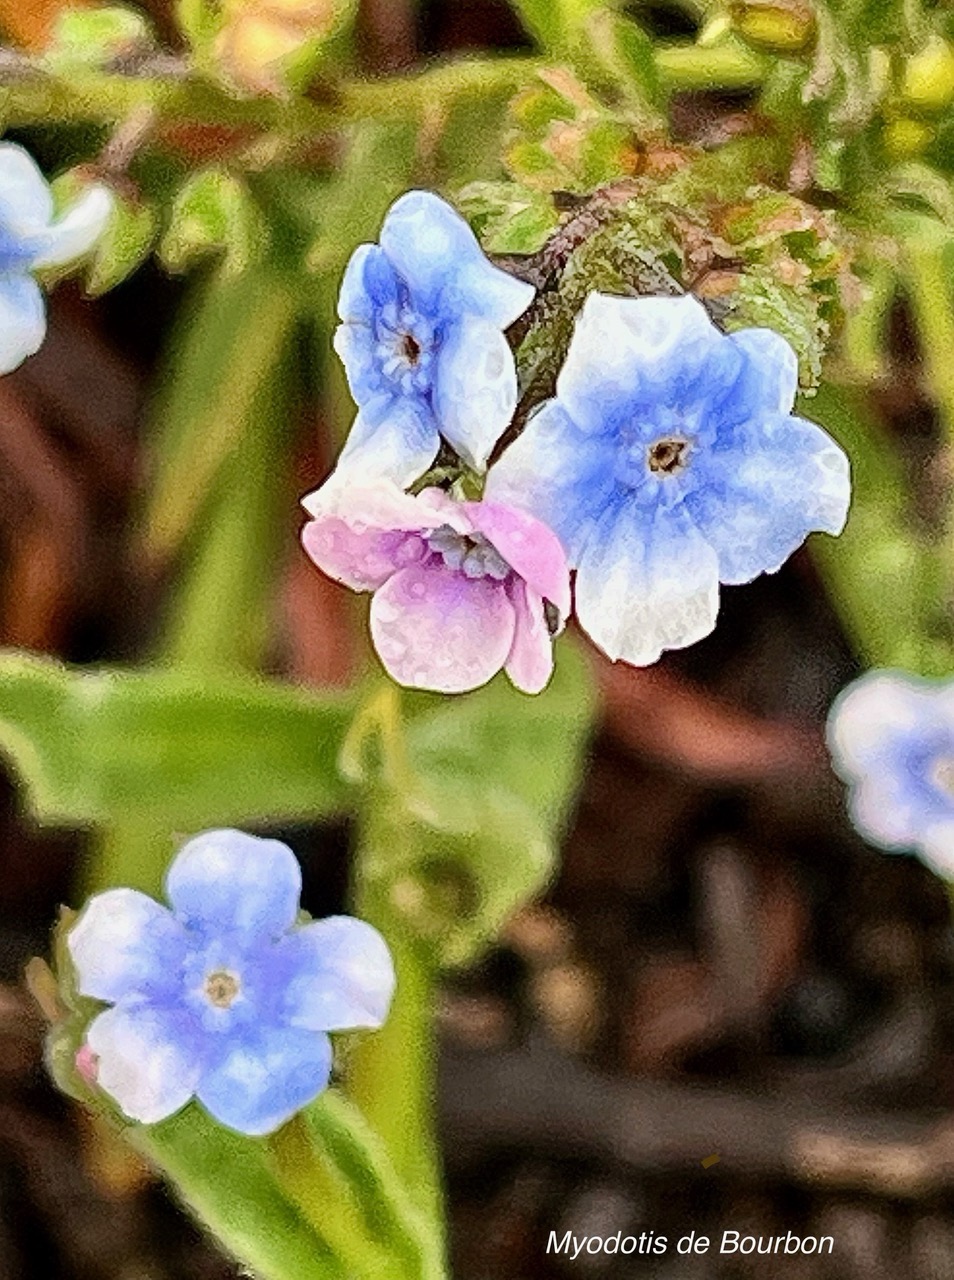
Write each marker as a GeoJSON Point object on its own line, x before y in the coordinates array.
{"type": "Point", "coordinates": [529, 546]}
{"type": "Point", "coordinates": [530, 663]}
{"type": "Point", "coordinates": [361, 534]}
{"type": "Point", "coordinates": [436, 629]}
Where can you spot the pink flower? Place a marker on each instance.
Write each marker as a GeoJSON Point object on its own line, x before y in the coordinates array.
{"type": "Point", "coordinates": [460, 588]}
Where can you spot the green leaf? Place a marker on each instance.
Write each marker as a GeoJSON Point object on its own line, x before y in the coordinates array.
{"type": "Point", "coordinates": [226, 1181]}
{"type": "Point", "coordinates": [342, 1137]}
{"type": "Point", "coordinates": [532, 747]}
{"type": "Point", "coordinates": [471, 852]}
{"type": "Point", "coordinates": [182, 751]}
{"type": "Point", "coordinates": [614, 48]}
{"type": "Point", "coordinates": [213, 212]}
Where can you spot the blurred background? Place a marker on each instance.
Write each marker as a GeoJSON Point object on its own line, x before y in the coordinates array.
{"type": "Point", "coordinates": [727, 1012]}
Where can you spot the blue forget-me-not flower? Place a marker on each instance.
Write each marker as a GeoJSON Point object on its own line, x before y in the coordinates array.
{"type": "Point", "coordinates": [891, 737]}
{"type": "Point", "coordinates": [669, 461]}
{"type": "Point", "coordinates": [30, 239]}
{"type": "Point", "coordinates": [421, 337]}
{"type": "Point", "coordinates": [227, 997]}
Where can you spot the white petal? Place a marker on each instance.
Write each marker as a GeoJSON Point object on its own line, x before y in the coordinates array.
{"type": "Point", "coordinates": [642, 588]}
{"type": "Point", "coordinates": [622, 346]}
{"type": "Point", "coordinates": [22, 320]}
{"type": "Point", "coordinates": [392, 438]}
{"type": "Point", "coordinates": [438, 256]}
{"type": "Point", "coordinates": [124, 943]}
{"type": "Point", "coordinates": [26, 204]}
{"type": "Point", "coordinates": [146, 1060]}
{"type": "Point", "coordinates": [873, 711]}
{"type": "Point", "coordinates": [476, 389]}
{"type": "Point", "coordinates": [80, 228]}
{"type": "Point", "coordinates": [344, 976]}
{"type": "Point", "coordinates": [937, 845]}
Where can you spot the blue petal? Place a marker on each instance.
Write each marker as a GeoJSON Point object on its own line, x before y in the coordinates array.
{"type": "Point", "coordinates": [149, 1058]}
{"type": "Point", "coordinates": [647, 581]}
{"type": "Point", "coordinates": [26, 204]}
{"type": "Point", "coordinates": [264, 1076]}
{"type": "Point", "coordinates": [475, 392]}
{"type": "Point", "coordinates": [356, 346]}
{"type": "Point", "coordinates": [125, 943]}
{"type": "Point", "coordinates": [227, 881]}
{"type": "Point", "coordinates": [393, 438]}
{"type": "Point", "coordinates": [559, 473]}
{"type": "Point", "coordinates": [765, 490]}
{"type": "Point", "coordinates": [22, 320]}
{"type": "Point", "coordinates": [341, 976]}
{"type": "Point", "coordinates": [768, 379]}
{"type": "Point", "coordinates": [369, 284]}
{"type": "Point", "coordinates": [437, 255]}
{"type": "Point", "coordinates": [631, 351]}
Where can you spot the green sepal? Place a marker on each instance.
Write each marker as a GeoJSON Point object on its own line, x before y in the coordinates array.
{"type": "Point", "coordinates": [125, 243]}
{"type": "Point", "coordinates": [213, 212]}
{"type": "Point", "coordinates": [507, 217]}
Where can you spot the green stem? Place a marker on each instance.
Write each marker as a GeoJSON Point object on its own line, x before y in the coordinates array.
{"type": "Point", "coordinates": [881, 574]}
{"type": "Point", "coordinates": [392, 1074]}
{"type": "Point", "coordinates": [928, 261]}
{"type": "Point", "coordinates": [31, 95]}
{"type": "Point", "coordinates": [731, 65]}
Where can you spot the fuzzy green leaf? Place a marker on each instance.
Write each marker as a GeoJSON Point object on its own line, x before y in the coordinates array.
{"type": "Point", "coordinates": [182, 751]}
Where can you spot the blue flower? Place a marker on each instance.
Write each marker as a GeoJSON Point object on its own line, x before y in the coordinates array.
{"type": "Point", "coordinates": [891, 736]}
{"type": "Point", "coordinates": [30, 239]}
{"type": "Point", "coordinates": [422, 342]}
{"type": "Point", "coordinates": [226, 997]}
{"type": "Point", "coordinates": [669, 462]}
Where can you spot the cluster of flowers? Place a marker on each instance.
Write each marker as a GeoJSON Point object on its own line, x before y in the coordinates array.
{"type": "Point", "coordinates": [668, 462]}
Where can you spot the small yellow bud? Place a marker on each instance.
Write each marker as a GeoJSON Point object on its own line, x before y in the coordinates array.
{"type": "Point", "coordinates": [928, 82]}
{"type": "Point", "coordinates": [905, 138]}
{"type": "Point", "coordinates": [778, 26]}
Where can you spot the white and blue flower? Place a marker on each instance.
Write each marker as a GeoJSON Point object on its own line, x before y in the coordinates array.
{"type": "Point", "coordinates": [227, 997]}
{"type": "Point", "coordinates": [421, 337]}
{"type": "Point", "coordinates": [891, 737]}
{"type": "Point", "coordinates": [31, 239]}
{"type": "Point", "coordinates": [668, 462]}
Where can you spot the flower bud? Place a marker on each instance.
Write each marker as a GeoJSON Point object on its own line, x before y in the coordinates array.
{"type": "Point", "coordinates": [273, 46]}
{"type": "Point", "coordinates": [928, 81]}
{"type": "Point", "coordinates": [778, 26]}
{"type": "Point", "coordinates": [905, 138]}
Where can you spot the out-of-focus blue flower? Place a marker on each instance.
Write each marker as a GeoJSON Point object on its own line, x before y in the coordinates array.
{"type": "Point", "coordinates": [891, 737]}
{"type": "Point", "coordinates": [31, 239]}
{"type": "Point", "coordinates": [226, 997]}
{"type": "Point", "coordinates": [421, 337]}
{"type": "Point", "coordinates": [668, 462]}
